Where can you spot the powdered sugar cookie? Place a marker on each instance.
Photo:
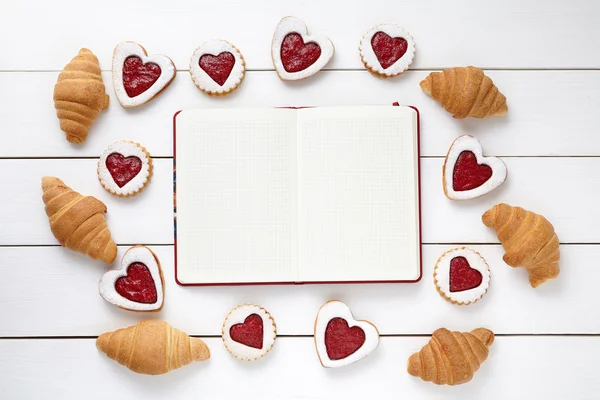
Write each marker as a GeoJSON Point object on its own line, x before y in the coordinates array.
{"type": "Point", "coordinates": [296, 54]}
{"type": "Point", "coordinates": [467, 173]}
{"type": "Point", "coordinates": [217, 67]}
{"type": "Point", "coordinates": [137, 76]}
{"type": "Point", "coordinates": [249, 332]}
{"type": "Point", "coordinates": [138, 285]}
{"type": "Point", "coordinates": [339, 338]}
{"type": "Point", "coordinates": [462, 276]}
{"type": "Point", "coordinates": [387, 50]}
{"type": "Point", "coordinates": [125, 168]}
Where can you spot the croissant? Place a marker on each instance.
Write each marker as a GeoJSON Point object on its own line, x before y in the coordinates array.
{"type": "Point", "coordinates": [528, 239]}
{"type": "Point", "coordinates": [152, 347]}
{"type": "Point", "coordinates": [79, 95]}
{"type": "Point", "coordinates": [451, 358]}
{"type": "Point", "coordinates": [77, 221]}
{"type": "Point", "coordinates": [465, 92]}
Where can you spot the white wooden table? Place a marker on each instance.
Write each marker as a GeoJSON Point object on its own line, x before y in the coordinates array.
{"type": "Point", "coordinates": [543, 54]}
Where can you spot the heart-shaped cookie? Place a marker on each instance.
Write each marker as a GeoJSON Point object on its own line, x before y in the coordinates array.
{"type": "Point", "coordinates": [461, 276]}
{"type": "Point", "coordinates": [217, 67]}
{"type": "Point", "coordinates": [125, 168]}
{"type": "Point", "coordinates": [249, 332]}
{"type": "Point", "coordinates": [137, 76]}
{"type": "Point", "coordinates": [467, 173]}
{"type": "Point", "coordinates": [339, 338]}
{"type": "Point", "coordinates": [387, 50]}
{"type": "Point", "coordinates": [138, 285]}
{"type": "Point", "coordinates": [296, 54]}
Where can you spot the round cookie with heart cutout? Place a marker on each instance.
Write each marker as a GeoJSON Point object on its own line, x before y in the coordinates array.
{"type": "Point", "coordinates": [467, 173]}
{"type": "Point", "coordinates": [138, 285]}
{"type": "Point", "coordinates": [341, 340]}
{"type": "Point", "coordinates": [387, 50]}
{"type": "Point", "coordinates": [462, 276]}
{"type": "Point", "coordinates": [125, 168]}
{"type": "Point", "coordinates": [137, 76]}
{"type": "Point", "coordinates": [296, 54]}
{"type": "Point", "coordinates": [217, 67]}
{"type": "Point", "coordinates": [249, 332]}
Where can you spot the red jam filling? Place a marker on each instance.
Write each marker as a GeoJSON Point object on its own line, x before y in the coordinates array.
{"type": "Point", "coordinates": [137, 76]}
{"type": "Point", "coordinates": [468, 174]}
{"type": "Point", "coordinates": [249, 333]}
{"type": "Point", "coordinates": [388, 49]}
{"type": "Point", "coordinates": [297, 55]}
{"type": "Point", "coordinates": [462, 276]}
{"type": "Point", "coordinates": [218, 67]}
{"type": "Point", "coordinates": [138, 285]}
{"type": "Point", "coordinates": [123, 169]}
{"type": "Point", "coordinates": [341, 340]}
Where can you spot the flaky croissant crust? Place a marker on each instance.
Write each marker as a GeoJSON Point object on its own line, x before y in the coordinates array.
{"type": "Point", "coordinates": [79, 95]}
{"type": "Point", "coordinates": [152, 347]}
{"type": "Point", "coordinates": [465, 92]}
{"type": "Point", "coordinates": [451, 358]}
{"type": "Point", "coordinates": [77, 221]}
{"type": "Point", "coordinates": [529, 241]}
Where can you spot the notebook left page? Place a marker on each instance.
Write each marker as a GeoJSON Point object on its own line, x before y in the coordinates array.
{"type": "Point", "coordinates": [236, 196]}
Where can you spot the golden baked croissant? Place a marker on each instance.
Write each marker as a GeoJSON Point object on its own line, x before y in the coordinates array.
{"type": "Point", "coordinates": [79, 95]}
{"type": "Point", "coordinates": [451, 358]}
{"type": "Point", "coordinates": [78, 221]}
{"type": "Point", "coordinates": [528, 239]}
{"type": "Point", "coordinates": [152, 347]}
{"type": "Point", "coordinates": [465, 92]}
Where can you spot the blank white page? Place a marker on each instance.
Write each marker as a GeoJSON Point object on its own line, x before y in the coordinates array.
{"type": "Point", "coordinates": [236, 195]}
{"type": "Point", "coordinates": [358, 194]}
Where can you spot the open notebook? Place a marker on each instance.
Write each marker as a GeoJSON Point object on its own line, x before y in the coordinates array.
{"type": "Point", "coordinates": [328, 194]}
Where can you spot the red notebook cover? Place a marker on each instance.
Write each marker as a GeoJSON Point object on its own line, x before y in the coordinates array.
{"type": "Point", "coordinates": [297, 283]}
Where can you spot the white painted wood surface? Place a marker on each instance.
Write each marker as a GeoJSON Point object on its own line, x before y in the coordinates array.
{"type": "Point", "coordinates": [148, 217]}
{"type": "Point", "coordinates": [508, 34]}
{"type": "Point", "coordinates": [517, 368]}
{"type": "Point", "coordinates": [40, 298]}
{"type": "Point", "coordinates": [541, 54]}
{"type": "Point", "coordinates": [561, 105]}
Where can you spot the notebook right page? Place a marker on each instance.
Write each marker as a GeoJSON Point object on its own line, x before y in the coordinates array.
{"type": "Point", "coordinates": [358, 194]}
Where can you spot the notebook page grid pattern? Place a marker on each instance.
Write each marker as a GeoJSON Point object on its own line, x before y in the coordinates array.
{"type": "Point", "coordinates": [356, 198]}
{"type": "Point", "coordinates": [237, 208]}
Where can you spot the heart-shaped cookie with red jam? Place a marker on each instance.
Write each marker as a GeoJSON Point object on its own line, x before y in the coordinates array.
{"type": "Point", "coordinates": [217, 67]}
{"type": "Point", "coordinates": [138, 285]}
{"type": "Point", "coordinates": [125, 168]}
{"type": "Point", "coordinates": [461, 276]}
{"type": "Point", "coordinates": [387, 50]}
{"type": "Point", "coordinates": [137, 76]}
{"type": "Point", "coordinates": [467, 173]}
{"type": "Point", "coordinates": [339, 338]}
{"type": "Point", "coordinates": [296, 54]}
{"type": "Point", "coordinates": [249, 332]}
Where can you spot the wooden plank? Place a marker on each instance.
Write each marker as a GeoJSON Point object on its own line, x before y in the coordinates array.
{"type": "Point", "coordinates": [510, 34]}
{"type": "Point", "coordinates": [51, 291]}
{"type": "Point", "coordinates": [147, 218]}
{"type": "Point", "coordinates": [551, 112]}
{"type": "Point", "coordinates": [554, 187]}
{"type": "Point", "coordinates": [517, 368]}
